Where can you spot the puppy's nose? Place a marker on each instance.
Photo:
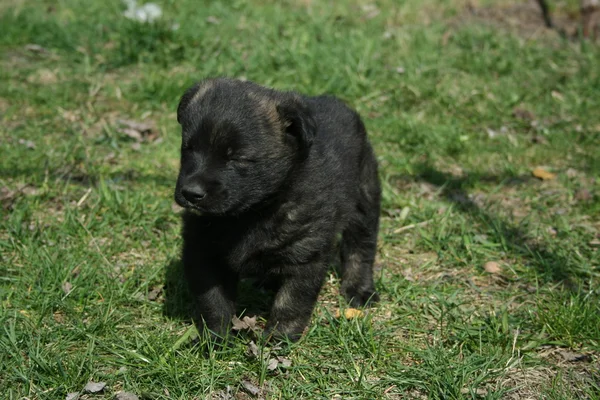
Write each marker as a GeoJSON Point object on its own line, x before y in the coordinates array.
{"type": "Point", "coordinates": [193, 193]}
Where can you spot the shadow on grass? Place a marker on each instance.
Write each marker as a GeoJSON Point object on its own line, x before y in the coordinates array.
{"type": "Point", "coordinates": [253, 298]}
{"type": "Point", "coordinates": [549, 265]}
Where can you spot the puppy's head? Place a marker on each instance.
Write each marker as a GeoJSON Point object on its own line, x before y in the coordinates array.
{"type": "Point", "coordinates": [240, 141]}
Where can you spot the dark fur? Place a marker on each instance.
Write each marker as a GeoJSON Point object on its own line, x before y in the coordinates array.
{"type": "Point", "coordinates": [282, 176]}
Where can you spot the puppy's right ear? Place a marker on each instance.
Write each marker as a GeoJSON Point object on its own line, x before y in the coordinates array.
{"type": "Point", "coordinates": [298, 122]}
{"type": "Point", "coordinates": [186, 99]}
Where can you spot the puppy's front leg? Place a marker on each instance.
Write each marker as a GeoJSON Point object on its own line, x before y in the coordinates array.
{"type": "Point", "coordinates": [295, 300]}
{"type": "Point", "coordinates": [214, 289]}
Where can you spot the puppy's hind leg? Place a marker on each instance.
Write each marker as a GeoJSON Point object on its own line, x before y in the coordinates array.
{"type": "Point", "coordinates": [359, 240]}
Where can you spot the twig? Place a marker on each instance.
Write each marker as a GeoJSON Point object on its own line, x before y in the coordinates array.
{"type": "Point", "coordinates": [412, 226]}
{"type": "Point", "coordinates": [84, 197]}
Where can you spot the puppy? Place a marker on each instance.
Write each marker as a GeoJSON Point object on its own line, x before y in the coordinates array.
{"type": "Point", "coordinates": [270, 181]}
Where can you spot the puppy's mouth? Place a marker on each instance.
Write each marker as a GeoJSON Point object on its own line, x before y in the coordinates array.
{"type": "Point", "coordinates": [200, 210]}
{"type": "Point", "coordinates": [195, 209]}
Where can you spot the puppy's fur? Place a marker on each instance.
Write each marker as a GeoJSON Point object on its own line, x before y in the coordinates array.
{"type": "Point", "coordinates": [269, 181]}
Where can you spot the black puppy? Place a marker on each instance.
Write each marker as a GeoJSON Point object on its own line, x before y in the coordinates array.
{"type": "Point", "coordinates": [269, 180]}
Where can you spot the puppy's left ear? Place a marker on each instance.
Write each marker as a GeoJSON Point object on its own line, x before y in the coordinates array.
{"type": "Point", "coordinates": [298, 122]}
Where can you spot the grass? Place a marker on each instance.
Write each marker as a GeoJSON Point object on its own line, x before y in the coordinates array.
{"type": "Point", "coordinates": [460, 108]}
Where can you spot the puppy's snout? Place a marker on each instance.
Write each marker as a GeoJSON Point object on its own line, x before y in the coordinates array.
{"type": "Point", "coordinates": [194, 193]}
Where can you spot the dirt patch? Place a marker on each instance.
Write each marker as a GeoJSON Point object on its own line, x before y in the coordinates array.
{"type": "Point", "coordinates": [528, 383]}
{"type": "Point", "coordinates": [523, 18]}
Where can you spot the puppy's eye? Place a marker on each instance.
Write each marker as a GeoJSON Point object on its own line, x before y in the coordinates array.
{"type": "Point", "coordinates": [240, 160]}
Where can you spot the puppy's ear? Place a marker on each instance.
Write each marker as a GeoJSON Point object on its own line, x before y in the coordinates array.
{"type": "Point", "coordinates": [186, 99]}
{"type": "Point", "coordinates": [298, 122]}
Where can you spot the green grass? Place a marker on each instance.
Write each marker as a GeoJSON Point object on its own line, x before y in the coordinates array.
{"type": "Point", "coordinates": [460, 111]}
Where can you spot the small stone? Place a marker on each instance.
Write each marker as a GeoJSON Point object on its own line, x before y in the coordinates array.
{"type": "Point", "coordinates": [492, 267]}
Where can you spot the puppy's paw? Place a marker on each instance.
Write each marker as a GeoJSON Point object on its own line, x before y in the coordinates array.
{"type": "Point", "coordinates": [291, 332]}
{"type": "Point", "coordinates": [360, 297]}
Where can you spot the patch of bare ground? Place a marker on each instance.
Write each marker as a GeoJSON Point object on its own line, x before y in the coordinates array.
{"type": "Point", "coordinates": [523, 18]}
{"type": "Point", "coordinates": [529, 383]}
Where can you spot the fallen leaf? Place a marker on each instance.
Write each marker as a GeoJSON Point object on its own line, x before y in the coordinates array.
{"type": "Point", "coordinates": [67, 287]}
{"type": "Point", "coordinates": [36, 48]}
{"type": "Point", "coordinates": [583, 195]}
{"type": "Point", "coordinates": [155, 292]}
{"type": "Point", "coordinates": [539, 139]}
{"type": "Point", "coordinates": [350, 313]}
{"type": "Point", "coordinates": [94, 387]}
{"type": "Point", "coordinates": [595, 242]}
{"type": "Point", "coordinates": [272, 365]}
{"type": "Point", "coordinates": [224, 394]}
{"type": "Point", "coordinates": [28, 143]}
{"type": "Point", "coordinates": [43, 76]}
{"type": "Point", "coordinates": [523, 113]}
{"type": "Point", "coordinates": [138, 131]}
{"type": "Point", "coordinates": [213, 20]}
{"type": "Point", "coordinates": [492, 267]}
{"type": "Point", "coordinates": [125, 396]}
{"type": "Point", "coordinates": [284, 362]}
{"type": "Point", "coordinates": [572, 173]}
{"type": "Point", "coordinates": [253, 349]}
{"type": "Point", "coordinates": [244, 323]}
{"type": "Point", "coordinates": [446, 37]}
{"type": "Point", "coordinates": [557, 95]}
{"type": "Point", "coordinates": [543, 174]}
{"type": "Point", "coordinates": [72, 396]}
{"type": "Point", "coordinates": [574, 357]}
{"type": "Point", "coordinates": [250, 387]}
{"type": "Point", "coordinates": [132, 133]}
{"type": "Point", "coordinates": [59, 317]}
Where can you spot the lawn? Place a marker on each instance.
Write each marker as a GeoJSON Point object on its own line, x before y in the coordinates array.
{"type": "Point", "coordinates": [487, 131]}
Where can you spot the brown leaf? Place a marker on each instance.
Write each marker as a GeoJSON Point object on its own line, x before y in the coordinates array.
{"type": "Point", "coordinates": [155, 292]}
{"type": "Point", "coordinates": [492, 267]}
{"type": "Point", "coordinates": [523, 113]}
{"type": "Point", "coordinates": [59, 317]}
{"type": "Point", "coordinates": [244, 323]}
{"type": "Point", "coordinates": [250, 387]}
{"type": "Point", "coordinates": [574, 357]}
{"type": "Point", "coordinates": [583, 195]}
{"type": "Point", "coordinates": [543, 174]}
{"type": "Point", "coordinates": [36, 48]}
{"type": "Point", "coordinates": [138, 131]}
{"type": "Point", "coordinates": [132, 133]}
{"type": "Point", "coordinates": [94, 387]}
{"type": "Point", "coordinates": [7, 197]}
{"type": "Point", "coordinates": [67, 287]}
